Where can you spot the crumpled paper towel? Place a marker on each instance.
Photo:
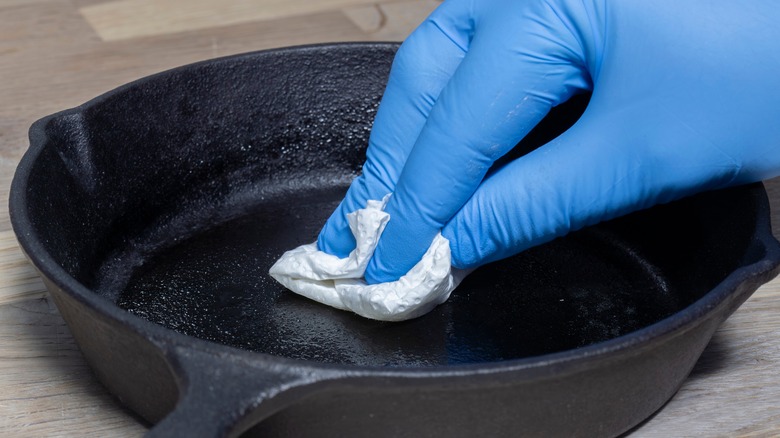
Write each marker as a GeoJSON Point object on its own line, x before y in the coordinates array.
{"type": "Point", "coordinates": [338, 282]}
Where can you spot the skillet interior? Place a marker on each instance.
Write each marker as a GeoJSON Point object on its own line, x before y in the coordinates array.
{"type": "Point", "coordinates": [175, 195]}
{"type": "Point", "coordinates": [589, 287]}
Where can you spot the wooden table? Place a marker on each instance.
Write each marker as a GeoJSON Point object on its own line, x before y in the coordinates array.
{"type": "Point", "coordinates": [55, 54]}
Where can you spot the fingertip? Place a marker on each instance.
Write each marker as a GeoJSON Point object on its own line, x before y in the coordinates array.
{"type": "Point", "coordinates": [401, 247]}
{"type": "Point", "coordinates": [335, 238]}
{"type": "Point", "coordinates": [377, 273]}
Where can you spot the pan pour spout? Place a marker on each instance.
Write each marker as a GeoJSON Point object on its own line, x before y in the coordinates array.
{"type": "Point", "coordinates": [338, 282]}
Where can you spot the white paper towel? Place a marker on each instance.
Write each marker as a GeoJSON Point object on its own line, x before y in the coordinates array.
{"type": "Point", "coordinates": [339, 282]}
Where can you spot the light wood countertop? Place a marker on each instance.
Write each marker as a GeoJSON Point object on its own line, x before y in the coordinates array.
{"type": "Point", "coordinates": [55, 54]}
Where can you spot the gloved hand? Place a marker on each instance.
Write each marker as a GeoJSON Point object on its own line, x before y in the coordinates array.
{"type": "Point", "coordinates": [685, 99]}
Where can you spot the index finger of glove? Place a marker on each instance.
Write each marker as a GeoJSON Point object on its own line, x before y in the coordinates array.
{"type": "Point", "coordinates": [422, 67]}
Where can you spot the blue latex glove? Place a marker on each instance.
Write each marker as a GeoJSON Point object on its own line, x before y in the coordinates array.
{"type": "Point", "coordinates": [685, 99]}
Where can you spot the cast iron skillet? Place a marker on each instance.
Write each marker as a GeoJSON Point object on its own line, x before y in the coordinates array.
{"type": "Point", "coordinates": [153, 213]}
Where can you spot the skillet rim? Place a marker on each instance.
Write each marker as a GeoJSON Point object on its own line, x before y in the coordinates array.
{"type": "Point", "coordinates": [734, 287]}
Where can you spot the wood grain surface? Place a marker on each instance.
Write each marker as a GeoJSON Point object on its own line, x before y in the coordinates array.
{"type": "Point", "coordinates": [56, 54]}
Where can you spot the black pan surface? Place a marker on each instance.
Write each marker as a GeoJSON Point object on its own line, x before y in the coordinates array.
{"type": "Point", "coordinates": [590, 287]}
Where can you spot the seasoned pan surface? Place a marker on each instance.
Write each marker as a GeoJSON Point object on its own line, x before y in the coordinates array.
{"type": "Point", "coordinates": [589, 287]}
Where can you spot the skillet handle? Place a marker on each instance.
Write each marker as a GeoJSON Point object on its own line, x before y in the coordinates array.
{"type": "Point", "coordinates": [223, 394]}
